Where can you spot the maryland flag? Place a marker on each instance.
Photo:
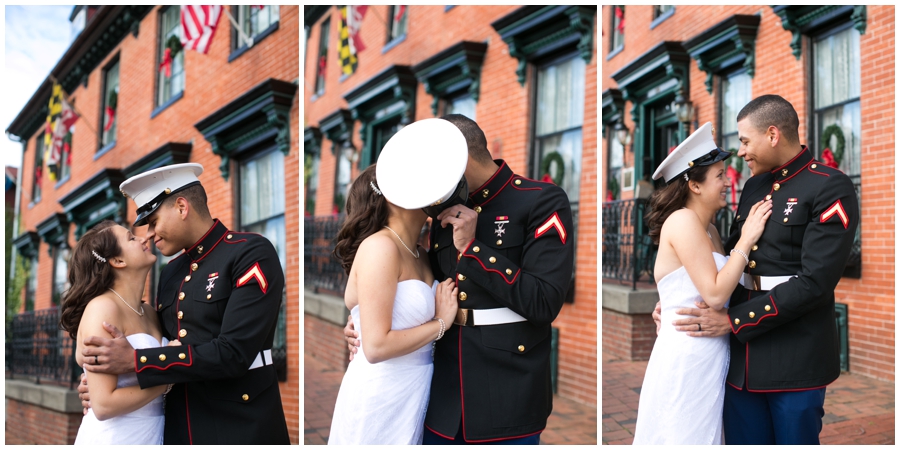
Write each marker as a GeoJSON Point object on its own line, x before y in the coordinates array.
{"type": "Point", "coordinates": [351, 44]}
{"type": "Point", "coordinates": [58, 135]}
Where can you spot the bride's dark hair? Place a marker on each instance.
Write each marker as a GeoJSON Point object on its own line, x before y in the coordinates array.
{"type": "Point", "coordinates": [367, 212]}
{"type": "Point", "coordinates": [670, 198]}
{"type": "Point", "coordinates": [89, 276]}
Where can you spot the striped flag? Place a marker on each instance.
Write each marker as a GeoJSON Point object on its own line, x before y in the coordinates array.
{"type": "Point", "coordinates": [346, 49]}
{"type": "Point", "coordinates": [198, 25]}
{"type": "Point", "coordinates": [58, 132]}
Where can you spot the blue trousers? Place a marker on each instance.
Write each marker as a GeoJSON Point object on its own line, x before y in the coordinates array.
{"type": "Point", "coordinates": [431, 438]}
{"type": "Point", "coordinates": [766, 418]}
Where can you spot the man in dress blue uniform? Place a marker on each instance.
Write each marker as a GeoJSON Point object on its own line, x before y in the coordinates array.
{"type": "Point", "coordinates": [784, 345]}
{"type": "Point", "coordinates": [220, 298]}
{"type": "Point", "coordinates": [510, 249]}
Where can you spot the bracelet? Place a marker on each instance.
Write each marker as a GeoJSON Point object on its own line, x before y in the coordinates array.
{"type": "Point", "coordinates": [440, 333]}
{"type": "Point", "coordinates": [741, 252]}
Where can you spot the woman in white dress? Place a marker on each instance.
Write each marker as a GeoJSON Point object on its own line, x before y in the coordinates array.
{"type": "Point", "coordinates": [107, 275]}
{"type": "Point", "coordinates": [683, 389]}
{"type": "Point", "coordinates": [399, 310]}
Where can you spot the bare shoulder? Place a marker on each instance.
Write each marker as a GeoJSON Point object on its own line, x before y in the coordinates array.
{"type": "Point", "coordinates": [101, 305]}
{"type": "Point", "coordinates": [100, 309]}
{"type": "Point", "coordinates": [680, 219]}
{"type": "Point", "coordinates": [377, 245]}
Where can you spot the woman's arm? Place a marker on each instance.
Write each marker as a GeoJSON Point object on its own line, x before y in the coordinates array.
{"type": "Point", "coordinates": [377, 266]}
{"type": "Point", "coordinates": [106, 400]}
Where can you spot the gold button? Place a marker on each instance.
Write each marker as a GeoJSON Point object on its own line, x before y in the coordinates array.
{"type": "Point", "coordinates": [476, 249]}
{"type": "Point", "coordinates": [738, 217]}
{"type": "Point", "coordinates": [752, 264]}
{"type": "Point", "coordinates": [187, 278]}
{"type": "Point", "coordinates": [229, 236]}
{"type": "Point", "coordinates": [159, 307]}
{"type": "Point", "coordinates": [499, 241]}
{"type": "Point", "coordinates": [769, 197]}
{"type": "Point", "coordinates": [182, 356]}
{"type": "Point", "coordinates": [245, 397]}
{"type": "Point", "coordinates": [181, 296]}
{"type": "Point", "coordinates": [478, 209]}
{"type": "Point", "coordinates": [143, 359]}
{"type": "Point", "coordinates": [435, 246]}
{"type": "Point", "coordinates": [768, 308]}
{"type": "Point", "coordinates": [508, 272]}
{"type": "Point", "coordinates": [194, 267]}
{"type": "Point", "coordinates": [776, 186]}
{"type": "Point", "coordinates": [199, 249]}
{"type": "Point", "coordinates": [463, 296]}
{"type": "Point", "coordinates": [182, 333]}
{"type": "Point", "coordinates": [754, 248]}
{"type": "Point", "coordinates": [690, 164]}
{"type": "Point", "coordinates": [785, 220]}
{"type": "Point", "coordinates": [168, 191]}
{"type": "Point", "coordinates": [461, 277]}
{"type": "Point", "coordinates": [737, 321]}
{"type": "Point", "coordinates": [752, 314]}
{"type": "Point", "coordinates": [162, 357]}
{"type": "Point", "coordinates": [521, 348]}
{"type": "Point", "coordinates": [485, 193]}
{"type": "Point", "coordinates": [208, 296]}
{"type": "Point", "coordinates": [783, 172]}
{"type": "Point", "coordinates": [813, 166]}
{"type": "Point", "coordinates": [180, 315]}
{"type": "Point", "coordinates": [492, 259]}
{"type": "Point", "coordinates": [518, 182]}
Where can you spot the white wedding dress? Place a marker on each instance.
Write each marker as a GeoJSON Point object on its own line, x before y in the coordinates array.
{"type": "Point", "coordinates": [143, 426]}
{"type": "Point", "coordinates": [684, 385]}
{"type": "Point", "coordinates": [385, 403]}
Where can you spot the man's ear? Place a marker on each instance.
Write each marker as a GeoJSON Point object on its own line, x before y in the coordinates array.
{"type": "Point", "coordinates": [773, 134]}
{"type": "Point", "coordinates": [183, 207]}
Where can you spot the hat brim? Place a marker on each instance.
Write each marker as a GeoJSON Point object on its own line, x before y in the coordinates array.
{"type": "Point", "coordinates": [147, 210]}
{"type": "Point", "coordinates": [714, 156]}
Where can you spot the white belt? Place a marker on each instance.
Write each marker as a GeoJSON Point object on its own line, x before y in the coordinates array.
{"type": "Point", "coordinates": [263, 358]}
{"type": "Point", "coordinates": [760, 283]}
{"type": "Point", "coordinates": [481, 317]}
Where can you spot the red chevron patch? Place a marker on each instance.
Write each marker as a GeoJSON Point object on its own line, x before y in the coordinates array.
{"type": "Point", "coordinates": [836, 209]}
{"type": "Point", "coordinates": [254, 272]}
{"type": "Point", "coordinates": [552, 222]}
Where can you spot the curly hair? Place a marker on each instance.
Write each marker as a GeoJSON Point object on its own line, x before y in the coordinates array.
{"type": "Point", "coordinates": [367, 213]}
{"type": "Point", "coordinates": [88, 275]}
{"type": "Point", "coordinates": [672, 197]}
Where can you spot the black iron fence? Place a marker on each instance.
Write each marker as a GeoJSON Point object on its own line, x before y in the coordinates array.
{"type": "Point", "coordinates": [627, 252]}
{"type": "Point", "coordinates": [36, 349]}
{"type": "Point", "coordinates": [321, 271]}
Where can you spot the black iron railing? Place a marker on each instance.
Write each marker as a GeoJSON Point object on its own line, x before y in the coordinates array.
{"type": "Point", "coordinates": [628, 253]}
{"type": "Point", "coordinates": [37, 349]}
{"type": "Point", "coordinates": [321, 271]}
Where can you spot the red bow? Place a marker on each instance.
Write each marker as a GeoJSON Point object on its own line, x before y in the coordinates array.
{"type": "Point", "coordinates": [609, 196]}
{"type": "Point", "coordinates": [547, 179]}
{"type": "Point", "coordinates": [322, 65]}
{"type": "Point", "coordinates": [400, 10]}
{"type": "Point", "coordinates": [110, 118]}
{"type": "Point", "coordinates": [620, 14]}
{"type": "Point", "coordinates": [828, 158]}
{"type": "Point", "coordinates": [735, 177]}
{"type": "Point", "coordinates": [167, 63]}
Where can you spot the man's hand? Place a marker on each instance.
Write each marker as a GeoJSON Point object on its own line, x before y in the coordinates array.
{"type": "Point", "coordinates": [114, 356]}
{"type": "Point", "coordinates": [657, 312]}
{"type": "Point", "coordinates": [711, 323]}
{"type": "Point", "coordinates": [463, 220]}
{"type": "Point", "coordinates": [352, 337]}
{"type": "Point", "coordinates": [83, 394]}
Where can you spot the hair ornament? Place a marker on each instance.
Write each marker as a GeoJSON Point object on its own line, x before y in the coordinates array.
{"type": "Point", "coordinates": [686, 178]}
{"type": "Point", "coordinates": [375, 188]}
{"type": "Point", "coordinates": [97, 255]}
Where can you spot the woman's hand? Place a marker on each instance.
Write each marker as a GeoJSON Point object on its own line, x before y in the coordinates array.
{"type": "Point", "coordinates": [174, 343]}
{"type": "Point", "coordinates": [756, 221]}
{"type": "Point", "coordinates": [445, 304]}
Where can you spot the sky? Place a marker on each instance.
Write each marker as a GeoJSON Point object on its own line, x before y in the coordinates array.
{"type": "Point", "coordinates": [35, 39]}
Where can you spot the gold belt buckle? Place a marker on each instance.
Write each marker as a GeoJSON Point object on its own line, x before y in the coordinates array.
{"type": "Point", "coordinates": [757, 285]}
{"type": "Point", "coordinates": [462, 316]}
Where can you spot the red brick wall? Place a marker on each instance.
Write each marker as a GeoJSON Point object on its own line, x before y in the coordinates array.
{"type": "Point", "coordinates": [211, 82]}
{"type": "Point", "coordinates": [28, 424]}
{"type": "Point", "coordinates": [628, 337]}
{"type": "Point", "coordinates": [871, 298]}
{"type": "Point", "coordinates": [325, 342]}
{"type": "Point", "coordinates": [503, 112]}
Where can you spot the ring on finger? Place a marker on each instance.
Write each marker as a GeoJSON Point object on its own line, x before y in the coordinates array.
{"type": "Point", "coordinates": [96, 361]}
{"type": "Point", "coordinates": [458, 213]}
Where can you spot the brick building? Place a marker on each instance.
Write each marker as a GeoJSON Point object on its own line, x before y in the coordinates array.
{"type": "Point", "coordinates": [667, 69]}
{"type": "Point", "coordinates": [235, 110]}
{"type": "Point", "coordinates": [513, 70]}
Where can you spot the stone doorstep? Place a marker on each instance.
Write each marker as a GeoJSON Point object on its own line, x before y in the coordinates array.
{"type": "Point", "coordinates": [55, 398]}
{"type": "Point", "coordinates": [624, 300]}
{"type": "Point", "coordinates": [326, 307]}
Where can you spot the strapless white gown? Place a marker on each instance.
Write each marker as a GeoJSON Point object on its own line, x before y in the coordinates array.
{"type": "Point", "coordinates": [143, 426]}
{"type": "Point", "coordinates": [385, 403]}
{"type": "Point", "coordinates": [684, 385]}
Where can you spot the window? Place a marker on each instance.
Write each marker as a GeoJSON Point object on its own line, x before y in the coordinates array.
{"type": "Point", "coordinates": [65, 157]}
{"type": "Point", "coordinates": [399, 22]}
{"type": "Point", "coordinates": [341, 181]}
{"type": "Point", "coordinates": [311, 181]}
{"type": "Point", "coordinates": [735, 94]}
{"type": "Point", "coordinates": [170, 28]}
{"type": "Point", "coordinates": [38, 168]}
{"type": "Point", "coordinates": [110, 105]}
{"type": "Point", "coordinates": [559, 116]}
{"type": "Point", "coordinates": [836, 86]}
{"type": "Point", "coordinates": [615, 164]}
{"type": "Point", "coordinates": [255, 20]}
{"type": "Point", "coordinates": [464, 105]}
{"type": "Point", "coordinates": [618, 29]}
{"type": "Point", "coordinates": [60, 272]}
{"type": "Point", "coordinates": [262, 198]}
{"type": "Point", "coordinates": [31, 282]}
{"type": "Point", "coordinates": [661, 10]}
{"type": "Point", "coordinates": [322, 60]}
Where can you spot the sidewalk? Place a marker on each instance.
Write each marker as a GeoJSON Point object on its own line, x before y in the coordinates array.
{"type": "Point", "coordinates": [570, 423]}
{"type": "Point", "coordinates": [858, 409]}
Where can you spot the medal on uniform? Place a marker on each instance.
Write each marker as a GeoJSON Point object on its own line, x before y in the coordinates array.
{"type": "Point", "coordinates": [500, 221]}
{"type": "Point", "coordinates": [212, 281]}
{"type": "Point", "coordinates": [790, 206]}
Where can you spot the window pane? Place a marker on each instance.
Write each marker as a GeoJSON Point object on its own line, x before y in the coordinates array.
{"type": "Point", "coordinates": [736, 94]}
{"type": "Point", "coordinates": [168, 87]}
{"type": "Point", "coordinates": [342, 181]}
{"type": "Point", "coordinates": [262, 188]}
{"type": "Point", "coordinates": [560, 96]}
{"type": "Point", "coordinates": [462, 105]}
{"type": "Point", "coordinates": [311, 181]}
{"type": "Point", "coordinates": [38, 168]}
{"type": "Point", "coordinates": [837, 68]}
{"type": "Point", "coordinates": [31, 284]}
{"type": "Point", "coordinates": [561, 154]}
{"type": "Point", "coordinates": [256, 19]}
{"type": "Point", "coordinates": [60, 276]}
{"type": "Point", "coordinates": [618, 39]}
{"type": "Point", "coordinates": [848, 118]}
{"type": "Point", "coordinates": [273, 229]}
{"type": "Point", "coordinates": [399, 19]}
{"type": "Point", "coordinates": [110, 124]}
{"type": "Point", "coordinates": [322, 60]}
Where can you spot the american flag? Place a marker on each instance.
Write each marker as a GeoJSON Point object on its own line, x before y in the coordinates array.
{"type": "Point", "coordinates": [198, 25]}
